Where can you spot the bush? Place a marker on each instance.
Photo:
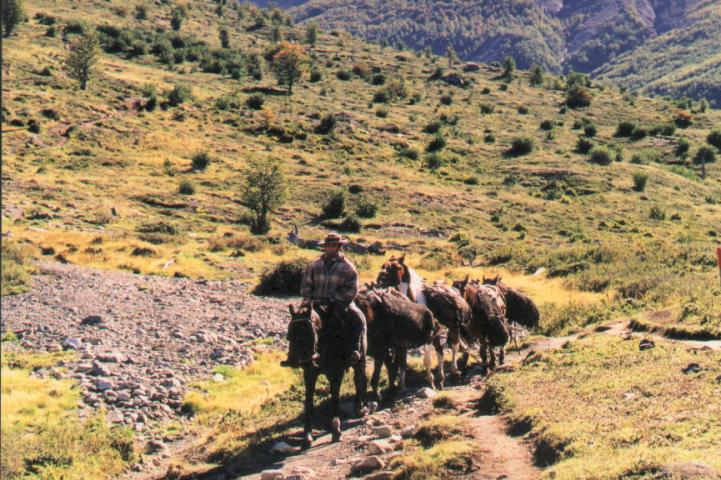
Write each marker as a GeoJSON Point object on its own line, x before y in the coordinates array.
{"type": "Point", "coordinates": [625, 129]}
{"type": "Point", "coordinates": [547, 125]}
{"type": "Point", "coordinates": [410, 153]}
{"type": "Point", "coordinates": [283, 279]}
{"type": "Point", "coordinates": [378, 79]}
{"type": "Point", "coordinates": [590, 131]}
{"type": "Point", "coordinates": [263, 191]}
{"type": "Point", "coordinates": [714, 138]}
{"type": "Point", "coordinates": [639, 181]}
{"type": "Point", "coordinates": [520, 146]}
{"type": "Point", "coordinates": [350, 224]}
{"type": "Point", "coordinates": [433, 127]}
{"type": "Point", "coordinates": [327, 124]}
{"type": "Point", "coordinates": [200, 160]}
{"type": "Point", "coordinates": [255, 101]}
{"type": "Point", "coordinates": [446, 99]}
{"type": "Point", "coordinates": [583, 145]}
{"type": "Point", "coordinates": [382, 112]}
{"type": "Point", "coordinates": [578, 97]}
{"type": "Point", "coordinates": [366, 208]}
{"type": "Point", "coordinates": [178, 95]}
{"type": "Point", "coordinates": [704, 155]}
{"type": "Point", "coordinates": [487, 108]}
{"type": "Point", "coordinates": [15, 268]}
{"type": "Point", "coordinates": [601, 156]}
{"type": "Point", "coordinates": [682, 147]}
{"type": "Point", "coordinates": [344, 75]}
{"type": "Point", "coordinates": [657, 213]}
{"type": "Point", "coordinates": [523, 110]}
{"type": "Point", "coordinates": [437, 143]}
{"type": "Point", "coordinates": [186, 187]}
{"type": "Point", "coordinates": [639, 134]}
{"type": "Point", "coordinates": [433, 161]}
{"type": "Point", "coordinates": [489, 138]}
{"type": "Point", "coordinates": [335, 205]}
{"type": "Point", "coordinates": [683, 119]}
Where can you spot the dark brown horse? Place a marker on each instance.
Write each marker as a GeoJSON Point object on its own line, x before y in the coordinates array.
{"type": "Point", "coordinates": [488, 324]}
{"type": "Point", "coordinates": [447, 306]}
{"type": "Point", "coordinates": [320, 343]}
{"type": "Point", "coordinates": [520, 308]}
{"type": "Point", "coordinates": [395, 325]}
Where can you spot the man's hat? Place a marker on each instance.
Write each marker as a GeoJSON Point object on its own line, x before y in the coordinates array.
{"type": "Point", "coordinates": [332, 238]}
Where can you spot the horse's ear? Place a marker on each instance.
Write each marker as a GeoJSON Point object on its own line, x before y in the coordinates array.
{"type": "Point", "coordinates": [402, 259]}
{"type": "Point", "coordinates": [291, 309]}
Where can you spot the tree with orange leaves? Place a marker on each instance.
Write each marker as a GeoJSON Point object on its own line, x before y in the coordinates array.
{"type": "Point", "coordinates": [288, 64]}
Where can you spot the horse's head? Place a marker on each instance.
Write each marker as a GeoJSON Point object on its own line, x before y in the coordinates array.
{"type": "Point", "coordinates": [462, 285]}
{"type": "Point", "coordinates": [302, 335]}
{"type": "Point", "coordinates": [393, 272]}
{"type": "Point", "coordinates": [492, 280]}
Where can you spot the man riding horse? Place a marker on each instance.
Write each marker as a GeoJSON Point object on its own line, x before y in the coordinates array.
{"type": "Point", "coordinates": [332, 281]}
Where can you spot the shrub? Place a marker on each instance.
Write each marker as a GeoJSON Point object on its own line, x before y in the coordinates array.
{"type": "Point", "coordinates": [704, 155]}
{"type": "Point", "coordinates": [178, 95]}
{"type": "Point", "coordinates": [523, 110]}
{"type": "Point", "coordinates": [486, 91]}
{"type": "Point", "coordinates": [433, 161]}
{"type": "Point", "coordinates": [714, 138]}
{"type": "Point", "coordinates": [601, 156]}
{"type": "Point", "coordinates": [682, 147]}
{"type": "Point", "coordinates": [350, 224]}
{"type": "Point", "coordinates": [186, 187]}
{"type": "Point", "coordinates": [410, 153]}
{"type": "Point", "coordinates": [590, 130]}
{"type": "Point", "coordinates": [255, 101]}
{"type": "Point", "coordinates": [639, 133]}
{"type": "Point", "coordinates": [283, 279]}
{"type": "Point", "coordinates": [200, 160]}
{"type": "Point", "coordinates": [683, 119]}
{"type": "Point", "coordinates": [327, 124]}
{"type": "Point", "coordinates": [381, 96]}
{"type": "Point", "coordinates": [657, 213]}
{"type": "Point", "coordinates": [150, 92]}
{"type": "Point", "coordinates": [316, 75]}
{"type": "Point", "coordinates": [473, 180]}
{"type": "Point", "coordinates": [520, 146]}
{"type": "Point", "coordinates": [366, 208]}
{"type": "Point", "coordinates": [335, 205]}
{"type": "Point", "coordinates": [489, 138]}
{"type": "Point", "coordinates": [344, 75]}
{"type": "Point", "coordinates": [433, 127]}
{"type": "Point", "coordinates": [639, 181]}
{"type": "Point", "coordinates": [446, 99]}
{"type": "Point", "coordinates": [378, 79]}
{"type": "Point", "coordinates": [625, 129]}
{"type": "Point", "coordinates": [15, 268]}
{"type": "Point", "coordinates": [437, 143]}
{"type": "Point", "coordinates": [578, 97]}
{"type": "Point", "coordinates": [33, 126]}
{"type": "Point", "coordinates": [547, 125]}
{"type": "Point", "coordinates": [382, 112]}
{"type": "Point", "coordinates": [487, 108]}
{"type": "Point", "coordinates": [583, 145]}
{"type": "Point", "coordinates": [263, 191]}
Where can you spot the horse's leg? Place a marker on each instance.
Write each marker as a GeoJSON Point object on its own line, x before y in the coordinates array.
{"type": "Point", "coordinates": [375, 378]}
{"type": "Point", "coordinates": [455, 341]}
{"type": "Point", "coordinates": [440, 375]}
{"type": "Point", "coordinates": [361, 387]}
{"type": "Point", "coordinates": [336, 380]}
{"type": "Point", "coordinates": [402, 362]}
{"type": "Point", "coordinates": [492, 354]}
{"type": "Point", "coordinates": [502, 355]}
{"type": "Point", "coordinates": [428, 363]}
{"type": "Point", "coordinates": [310, 376]}
{"type": "Point", "coordinates": [393, 365]}
{"type": "Point", "coordinates": [484, 354]}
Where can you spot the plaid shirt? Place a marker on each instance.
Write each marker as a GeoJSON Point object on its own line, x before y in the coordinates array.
{"type": "Point", "coordinates": [330, 279]}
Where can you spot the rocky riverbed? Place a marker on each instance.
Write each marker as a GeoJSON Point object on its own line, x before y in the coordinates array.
{"type": "Point", "coordinates": [140, 340]}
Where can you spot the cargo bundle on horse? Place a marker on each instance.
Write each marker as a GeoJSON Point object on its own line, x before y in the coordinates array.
{"type": "Point", "coordinates": [395, 325]}
{"type": "Point", "coordinates": [520, 308]}
{"type": "Point", "coordinates": [320, 343]}
{"type": "Point", "coordinates": [488, 322]}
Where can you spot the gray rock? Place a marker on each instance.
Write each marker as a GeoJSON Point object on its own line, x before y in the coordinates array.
{"type": "Point", "coordinates": [103, 385]}
{"type": "Point", "coordinates": [427, 392]}
{"type": "Point", "coordinates": [123, 396]}
{"type": "Point", "coordinates": [379, 447]}
{"type": "Point", "coordinates": [112, 357]}
{"type": "Point", "coordinates": [155, 446]}
{"type": "Point", "coordinates": [282, 447]}
{"type": "Point", "coordinates": [271, 475]}
{"type": "Point", "coordinates": [72, 344]}
{"type": "Point", "coordinates": [368, 464]}
{"type": "Point", "coordinates": [91, 320]}
{"type": "Point", "coordinates": [100, 370]}
{"type": "Point", "coordinates": [383, 431]}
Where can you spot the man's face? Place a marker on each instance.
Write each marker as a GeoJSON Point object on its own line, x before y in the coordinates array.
{"type": "Point", "coordinates": [332, 248]}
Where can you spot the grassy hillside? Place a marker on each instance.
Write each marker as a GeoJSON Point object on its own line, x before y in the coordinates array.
{"type": "Point", "coordinates": [682, 61]}
{"type": "Point", "coordinates": [660, 46]}
{"type": "Point", "coordinates": [92, 177]}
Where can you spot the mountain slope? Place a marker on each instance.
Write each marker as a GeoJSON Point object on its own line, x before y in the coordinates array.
{"type": "Point", "coordinates": [603, 37]}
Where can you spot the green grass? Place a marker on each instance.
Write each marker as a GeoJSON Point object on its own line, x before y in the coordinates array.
{"type": "Point", "coordinates": [42, 435]}
{"type": "Point", "coordinates": [608, 410]}
{"type": "Point", "coordinates": [16, 268]}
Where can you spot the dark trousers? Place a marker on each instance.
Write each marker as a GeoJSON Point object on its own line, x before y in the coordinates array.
{"type": "Point", "coordinates": [357, 322]}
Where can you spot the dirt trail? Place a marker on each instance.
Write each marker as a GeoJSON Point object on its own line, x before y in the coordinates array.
{"type": "Point", "coordinates": [502, 455]}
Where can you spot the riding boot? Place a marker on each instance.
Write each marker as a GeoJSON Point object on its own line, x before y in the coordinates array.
{"type": "Point", "coordinates": [357, 323]}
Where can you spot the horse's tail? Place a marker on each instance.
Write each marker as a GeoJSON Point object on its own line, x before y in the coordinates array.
{"type": "Point", "coordinates": [521, 309]}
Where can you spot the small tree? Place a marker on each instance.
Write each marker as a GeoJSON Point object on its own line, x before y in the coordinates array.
{"type": "Point", "coordinates": [509, 68]}
{"type": "Point", "coordinates": [311, 34]}
{"type": "Point", "coordinates": [703, 156]}
{"type": "Point", "coordinates": [176, 18]}
{"type": "Point", "coordinates": [81, 60]}
{"type": "Point", "coordinates": [452, 56]}
{"type": "Point", "coordinates": [535, 76]}
{"type": "Point", "coordinates": [141, 12]}
{"type": "Point", "coordinates": [287, 64]}
{"type": "Point", "coordinates": [224, 38]}
{"type": "Point", "coordinates": [12, 12]}
{"type": "Point", "coordinates": [714, 138]}
{"type": "Point", "coordinates": [276, 34]}
{"type": "Point", "coordinates": [263, 191]}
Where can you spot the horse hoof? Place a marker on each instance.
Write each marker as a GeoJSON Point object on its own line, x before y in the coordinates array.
{"type": "Point", "coordinates": [372, 407]}
{"type": "Point", "coordinates": [362, 412]}
{"type": "Point", "coordinates": [336, 437]}
{"type": "Point", "coordinates": [307, 442]}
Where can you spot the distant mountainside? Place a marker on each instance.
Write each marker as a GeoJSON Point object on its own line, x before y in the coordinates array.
{"type": "Point", "coordinates": [663, 46]}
